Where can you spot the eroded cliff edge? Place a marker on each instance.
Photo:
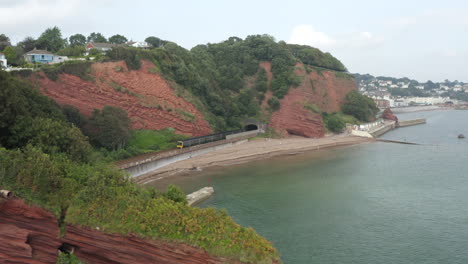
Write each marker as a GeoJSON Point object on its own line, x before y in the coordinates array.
{"type": "Point", "coordinates": [30, 234]}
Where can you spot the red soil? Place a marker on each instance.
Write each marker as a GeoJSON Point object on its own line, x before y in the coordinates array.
{"type": "Point", "coordinates": [150, 101]}
{"type": "Point", "coordinates": [31, 235]}
{"type": "Point", "coordinates": [324, 90]}
{"type": "Point", "coordinates": [389, 115]}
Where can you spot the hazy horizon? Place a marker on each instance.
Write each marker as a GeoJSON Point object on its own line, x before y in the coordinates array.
{"type": "Point", "coordinates": [422, 40]}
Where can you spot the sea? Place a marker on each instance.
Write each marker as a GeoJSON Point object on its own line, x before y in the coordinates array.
{"type": "Point", "coordinates": [368, 203]}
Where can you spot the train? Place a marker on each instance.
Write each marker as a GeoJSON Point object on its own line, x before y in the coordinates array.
{"type": "Point", "coordinates": [206, 139]}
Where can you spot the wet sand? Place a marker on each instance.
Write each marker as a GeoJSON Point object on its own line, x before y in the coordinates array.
{"type": "Point", "coordinates": [260, 148]}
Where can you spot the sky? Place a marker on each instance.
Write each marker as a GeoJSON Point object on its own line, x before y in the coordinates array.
{"type": "Point", "coordinates": [419, 39]}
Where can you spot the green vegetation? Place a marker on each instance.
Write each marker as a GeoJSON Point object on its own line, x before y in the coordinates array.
{"type": "Point", "coordinates": [51, 40]}
{"type": "Point", "coordinates": [360, 106]}
{"type": "Point", "coordinates": [312, 107]}
{"type": "Point", "coordinates": [334, 122]}
{"type": "Point", "coordinates": [118, 39]}
{"type": "Point", "coordinates": [39, 163]}
{"type": "Point", "coordinates": [109, 128]}
{"type": "Point", "coordinates": [274, 103]}
{"type": "Point", "coordinates": [78, 68]}
{"type": "Point", "coordinates": [65, 258]}
{"type": "Point", "coordinates": [96, 37]}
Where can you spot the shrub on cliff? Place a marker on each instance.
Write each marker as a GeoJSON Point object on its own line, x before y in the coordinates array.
{"type": "Point", "coordinates": [274, 103]}
{"type": "Point", "coordinates": [360, 106]}
{"type": "Point", "coordinates": [333, 122]}
{"type": "Point", "coordinates": [109, 128]}
{"type": "Point", "coordinates": [175, 194]}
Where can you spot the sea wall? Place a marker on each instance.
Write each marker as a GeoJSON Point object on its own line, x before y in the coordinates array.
{"type": "Point", "coordinates": [147, 167]}
{"type": "Point", "coordinates": [413, 122]}
{"type": "Point", "coordinates": [384, 128]}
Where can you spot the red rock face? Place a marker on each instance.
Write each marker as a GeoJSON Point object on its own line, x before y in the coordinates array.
{"type": "Point", "coordinates": [30, 235]}
{"type": "Point", "coordinates": [326, 91]}
{"type": "Point", "coordinates": [149, 100]}
{"type": "Point", "coordinates": [388, 114]}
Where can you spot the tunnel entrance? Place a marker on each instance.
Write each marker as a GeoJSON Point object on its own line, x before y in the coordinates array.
{"type": "Point", "coordinates": [250, 127]}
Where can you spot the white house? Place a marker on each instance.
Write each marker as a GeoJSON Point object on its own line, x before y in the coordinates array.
{"type": "Point", "coordinates": [3, 61]}
{"type": "Point", "coordinates": [138, 44]}
{"type": "Point", "coordinates": [102, 47]}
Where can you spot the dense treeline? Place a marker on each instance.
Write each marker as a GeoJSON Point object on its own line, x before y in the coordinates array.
{"type": "Point", "coordinates": [47, 160]}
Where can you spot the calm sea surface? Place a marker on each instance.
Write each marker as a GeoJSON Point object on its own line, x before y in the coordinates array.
{"type": "Point", "coordinates": [372, 203]}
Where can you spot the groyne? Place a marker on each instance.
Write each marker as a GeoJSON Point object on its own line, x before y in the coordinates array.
{"type": "Point", "coordinates": [199, 196]}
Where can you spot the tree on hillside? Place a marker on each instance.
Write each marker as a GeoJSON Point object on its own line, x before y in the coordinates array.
{"type": "Point", "coordinates": [51, 40]}
{"type": "Point", "coordinates": [118, 39]}
{"type": "Point", "coordinates": [96, 37]}
{"type": "Point", "coordinates": [4, 41]}
{"type": "Point", "coordinates": [10, 54]}
{"type": "Point", "coordinates": [359, 106]}
{"type": "Point", "coordinates": [155, 42]}
{"type": "Point", "coordinates": [109, 128]}
{"type": "Point", "coordinates": [27, 44]}
{"type": "Point", "coordinates": [77, 40]}
{"type": "Point", "coordinates": [430, 85]}
{"type": "Point", "coordinates": [262, 79]}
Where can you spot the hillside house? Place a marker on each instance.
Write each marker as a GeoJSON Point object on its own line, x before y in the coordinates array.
{"type": "Point", "coordinates": [138, 44]}
{"type": "Point", "coordinates": [3, 61]}
{"type": "Point", "coordinates": [41, 56]}
{"type": "Point", "coordinates": [102, 47]}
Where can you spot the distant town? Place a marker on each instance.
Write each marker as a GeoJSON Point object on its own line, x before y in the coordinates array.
{"type": "Point", "coordinates": [401, 92]}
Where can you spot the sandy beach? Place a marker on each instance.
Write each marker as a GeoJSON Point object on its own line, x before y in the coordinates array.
{"type": "Point", "coordinates": [259, 148]}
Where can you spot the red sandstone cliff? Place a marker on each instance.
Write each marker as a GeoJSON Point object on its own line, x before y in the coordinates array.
{"type": "Point", "coordinates": [325, 90]}
{"type": "Point", "coordinates": [152, 104]}
{"type": "Point", "coordinates": [30, 235]}
{"type": "Point", "coordinates": [149, 100]}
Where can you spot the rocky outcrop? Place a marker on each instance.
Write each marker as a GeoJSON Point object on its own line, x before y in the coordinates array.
{"type": "Point", "coordinates": [29, 234]}
{"type": "Point", "coordinates": [300, 112]}
{"type": "Point", "coordinates": [388, 115]}
{"type": "Point", "coordinates": [150, 101]}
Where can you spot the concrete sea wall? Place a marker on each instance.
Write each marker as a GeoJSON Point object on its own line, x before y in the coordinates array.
{"type": "Point", "coordinates": [152, 165]}
{"type": "Point", "coordinates": [413, 122]}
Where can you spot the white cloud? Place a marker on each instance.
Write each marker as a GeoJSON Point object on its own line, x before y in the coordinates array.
{"type": "Point", "coordinates": [307, 35]}
{"type": "Point", "coordinates": [36, 11]}
{"type": "Point", "coordinates": [446, 16]}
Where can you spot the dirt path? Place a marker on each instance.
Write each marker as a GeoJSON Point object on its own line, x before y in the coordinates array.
{"type": "Point", "coordinates": [252, 150]}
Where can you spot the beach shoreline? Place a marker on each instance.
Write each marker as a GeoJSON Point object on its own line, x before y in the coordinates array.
{"type": "Point", "coordinates": [252, 150]}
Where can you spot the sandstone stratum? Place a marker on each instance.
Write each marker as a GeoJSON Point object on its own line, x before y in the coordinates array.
{"type": "Point", "coordinates": [31, 235]}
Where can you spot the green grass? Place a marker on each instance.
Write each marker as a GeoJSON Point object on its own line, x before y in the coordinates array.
{"type": "Point", "coordinates": [344, 75]}
{"type": "Point", "coordinates": [152, 140]}
{"type": "Point", "coordinates": [313, 108]}
{"type": "Point", "coordinates": [186, 115]}
{"type": "Point", "coordinates": [122, 89]}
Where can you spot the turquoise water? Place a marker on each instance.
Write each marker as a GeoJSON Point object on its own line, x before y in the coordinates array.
{"type": "Point", "coordinates": [372, 203]}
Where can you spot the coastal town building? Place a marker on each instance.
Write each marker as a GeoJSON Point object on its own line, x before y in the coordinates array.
{"type": "Point", "coordinates": [39, 56]}
{"type": "Point", "coordinates": [102, 47]}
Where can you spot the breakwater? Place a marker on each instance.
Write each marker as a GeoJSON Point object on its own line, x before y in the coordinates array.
{"type": "Point", "coordinates": [413, 122]}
